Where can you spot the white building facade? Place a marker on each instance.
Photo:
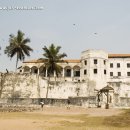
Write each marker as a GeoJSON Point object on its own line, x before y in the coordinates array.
{"type": "Point", "coordinates": [95, 70]}
{"type": "Point", "coordinates": [96, 65]}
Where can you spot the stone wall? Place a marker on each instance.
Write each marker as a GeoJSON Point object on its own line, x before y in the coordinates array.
{"type": "Point", "coordinates": [121, 94]}
{"type": "Point", "coordinates": [21, 85]}
{"type": "Point", "coordinates": [32, 88]}
{"type": "Point", "coordinates": [78, 101]}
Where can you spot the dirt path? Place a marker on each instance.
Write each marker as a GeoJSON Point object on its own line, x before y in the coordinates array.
{"type": "Point", "coordinates": [32, 121]}
{"type": "Point", "coordinates": [79, 110]}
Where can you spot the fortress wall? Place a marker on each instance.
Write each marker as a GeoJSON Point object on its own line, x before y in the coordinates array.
{"type": "Point", "coordinates": [31, 86]}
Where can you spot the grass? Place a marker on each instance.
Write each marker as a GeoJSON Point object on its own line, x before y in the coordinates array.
{"type": "Point", "coordinates": [74, 122]}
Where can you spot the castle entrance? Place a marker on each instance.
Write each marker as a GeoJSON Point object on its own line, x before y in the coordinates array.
{"type": "Point", "coordinates": [104, 91]}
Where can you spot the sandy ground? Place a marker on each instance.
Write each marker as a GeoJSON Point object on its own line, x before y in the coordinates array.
{"type": "Point", "coordinates": [37, 124]}
{"type": "Point", "coordinates": [79, 110]}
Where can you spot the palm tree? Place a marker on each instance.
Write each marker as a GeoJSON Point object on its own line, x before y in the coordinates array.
{"type": "Point", "coordinates": [18, 46]}
{"type": "Point", "coordinates": [53, 57]}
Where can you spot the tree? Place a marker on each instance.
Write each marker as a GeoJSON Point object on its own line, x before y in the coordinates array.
{"type": "Point", "coordinates": [18, 46]}
{"type": "Point", "coordinates": [53, 57]}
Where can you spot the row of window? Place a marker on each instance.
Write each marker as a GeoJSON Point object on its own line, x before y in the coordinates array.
{"type": "Point", "coordinates": [118, 65]}
{"type": "Point", "coordinates": [95, 71]}
{"type": "Point", "coordinates": [95, 61]}
{"type": "Point", "coordinates": [119, 74]}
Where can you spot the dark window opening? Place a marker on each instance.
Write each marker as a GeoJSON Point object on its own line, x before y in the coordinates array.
{"type": "Point", "coordinates": [95, 71]}
{"type": "Point", "coordinates": [119, 73]}
{"type": "Point", "coordinates": [105, 71]}
{"type": "Point", "coordinates": [35, 71]}
{"type": "Point", "coordinates": [85, 62]}
{"type": "Point", "coordinates": [76, 73]}
{"type": "Point", "coordinates": [95, 61]}
{"type": "Point", "coordinates": [111, 65]}
{"type": "Point", "coordinates": [118, 65]}
{"type": "Point", "coordinates": [128, 73]}
{"type": "Point", "coordinates": [111, 73]}
{"type": "Point", "coordinates": [68, 73]}
{"type": "Point", "coordinates": [128, 65]}
{"type": "Point", "coordinates": [104, 62]}
{"type": "Point", "coordinates": [85, 72]}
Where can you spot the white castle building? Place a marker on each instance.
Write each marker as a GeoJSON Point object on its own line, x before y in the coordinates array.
{"type": "Point", "coordinates": [85, 80]}
{"type": "Point", "coordinates": [86, 76]}
{"type": "Point", "coordinates": [96, 65]}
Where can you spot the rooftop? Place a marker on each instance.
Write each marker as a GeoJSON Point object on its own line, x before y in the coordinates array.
{"type": "Point", "coordinates": [78, 61]}
{"type": "Point", "coordinates": [42, 61]}
{"type": "Point", "coordinates": [118, 55]}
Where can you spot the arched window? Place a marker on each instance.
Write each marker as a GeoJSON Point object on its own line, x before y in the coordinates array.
{"type": "Point", "coordinates": [26, 69]}
{"type": "Point", "coordinates": [42, 70]}
{"type": "Point", "coordinates": [76, 71]}
{"type": "Point", "coordinates": [67, 71]}
{"type": "Point", "coordinates": [34, 70]}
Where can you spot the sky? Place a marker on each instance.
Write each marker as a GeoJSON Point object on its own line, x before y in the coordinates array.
{"type": "Point", "coordinates": [75, 25]}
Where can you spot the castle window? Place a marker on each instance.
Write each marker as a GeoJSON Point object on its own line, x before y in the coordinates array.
{"type": "Point", "coordinates": [104, 62]}
{"type": "Point", "coordinates": [128, 73]}
{"type": "Point", "coordinates": [111, 65]}
{"type": "Point", "coordinates": [111, 73]}
{"type": "Point", "coordinates": [95, 71]}
{"type": "Point", "coordinates": [68, 73]}
{"type": "Point", "coordinates": [105, 72]}
{"type": "Point", "coordinates": [85, 62]}
{"type": "Point", "coordinates": [118, 65]}
{"type": "Point", "coordinates": [76, 73]}
{"type": "Point", "coordinates": [85, 72]}
{"type": "Point", "coordinates": [95, 61]}
{"type": "Point", "coordinates": [128, 65]}
{"type": "Point", "coordinates": [36, 71]}
{"type": "Point", "coordinates": [119, 73]}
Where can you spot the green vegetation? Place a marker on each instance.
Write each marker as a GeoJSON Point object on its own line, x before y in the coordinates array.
{"type": "Point", "coordinates": [18, 46]}
{"type": "Point", "coordinates": [53, 56]}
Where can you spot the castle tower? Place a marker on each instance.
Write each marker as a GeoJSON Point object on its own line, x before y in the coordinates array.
{"type": "Point", "coordinates": [94, 67]}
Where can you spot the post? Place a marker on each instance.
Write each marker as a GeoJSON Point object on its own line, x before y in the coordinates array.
{"type": "Point", "coordinates": [72, 73]}
{"type": "Point", "coordinates": [107, 105]}
{"type": "Point", "coordinates": [63, 73]}
{"type": "Point", "coordinates": [38, 71]}
{"type": "Point", "coordinates": [46, 72]}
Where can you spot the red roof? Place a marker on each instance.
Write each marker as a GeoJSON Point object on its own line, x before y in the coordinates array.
{"type": "Point", "coordinates": [34, 61]}
{"type": "Point", "coordinates": [118, 55]}
{"type": "Point", "coordinates": [42, 61]}
{"type": "Point", "coordinates": [78, 61]}
{"type": "Point", "coordinates": [72, 61]}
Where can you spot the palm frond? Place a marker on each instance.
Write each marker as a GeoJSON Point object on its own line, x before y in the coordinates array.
{"type": "Point", "coordinates": [53, 57]}
{"type": "Point", "coordinates": [25, 41]}
{"type": "Point", "coordinates": [18, 46]}
{"type": "Point", "coordinates": [20, 36]}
